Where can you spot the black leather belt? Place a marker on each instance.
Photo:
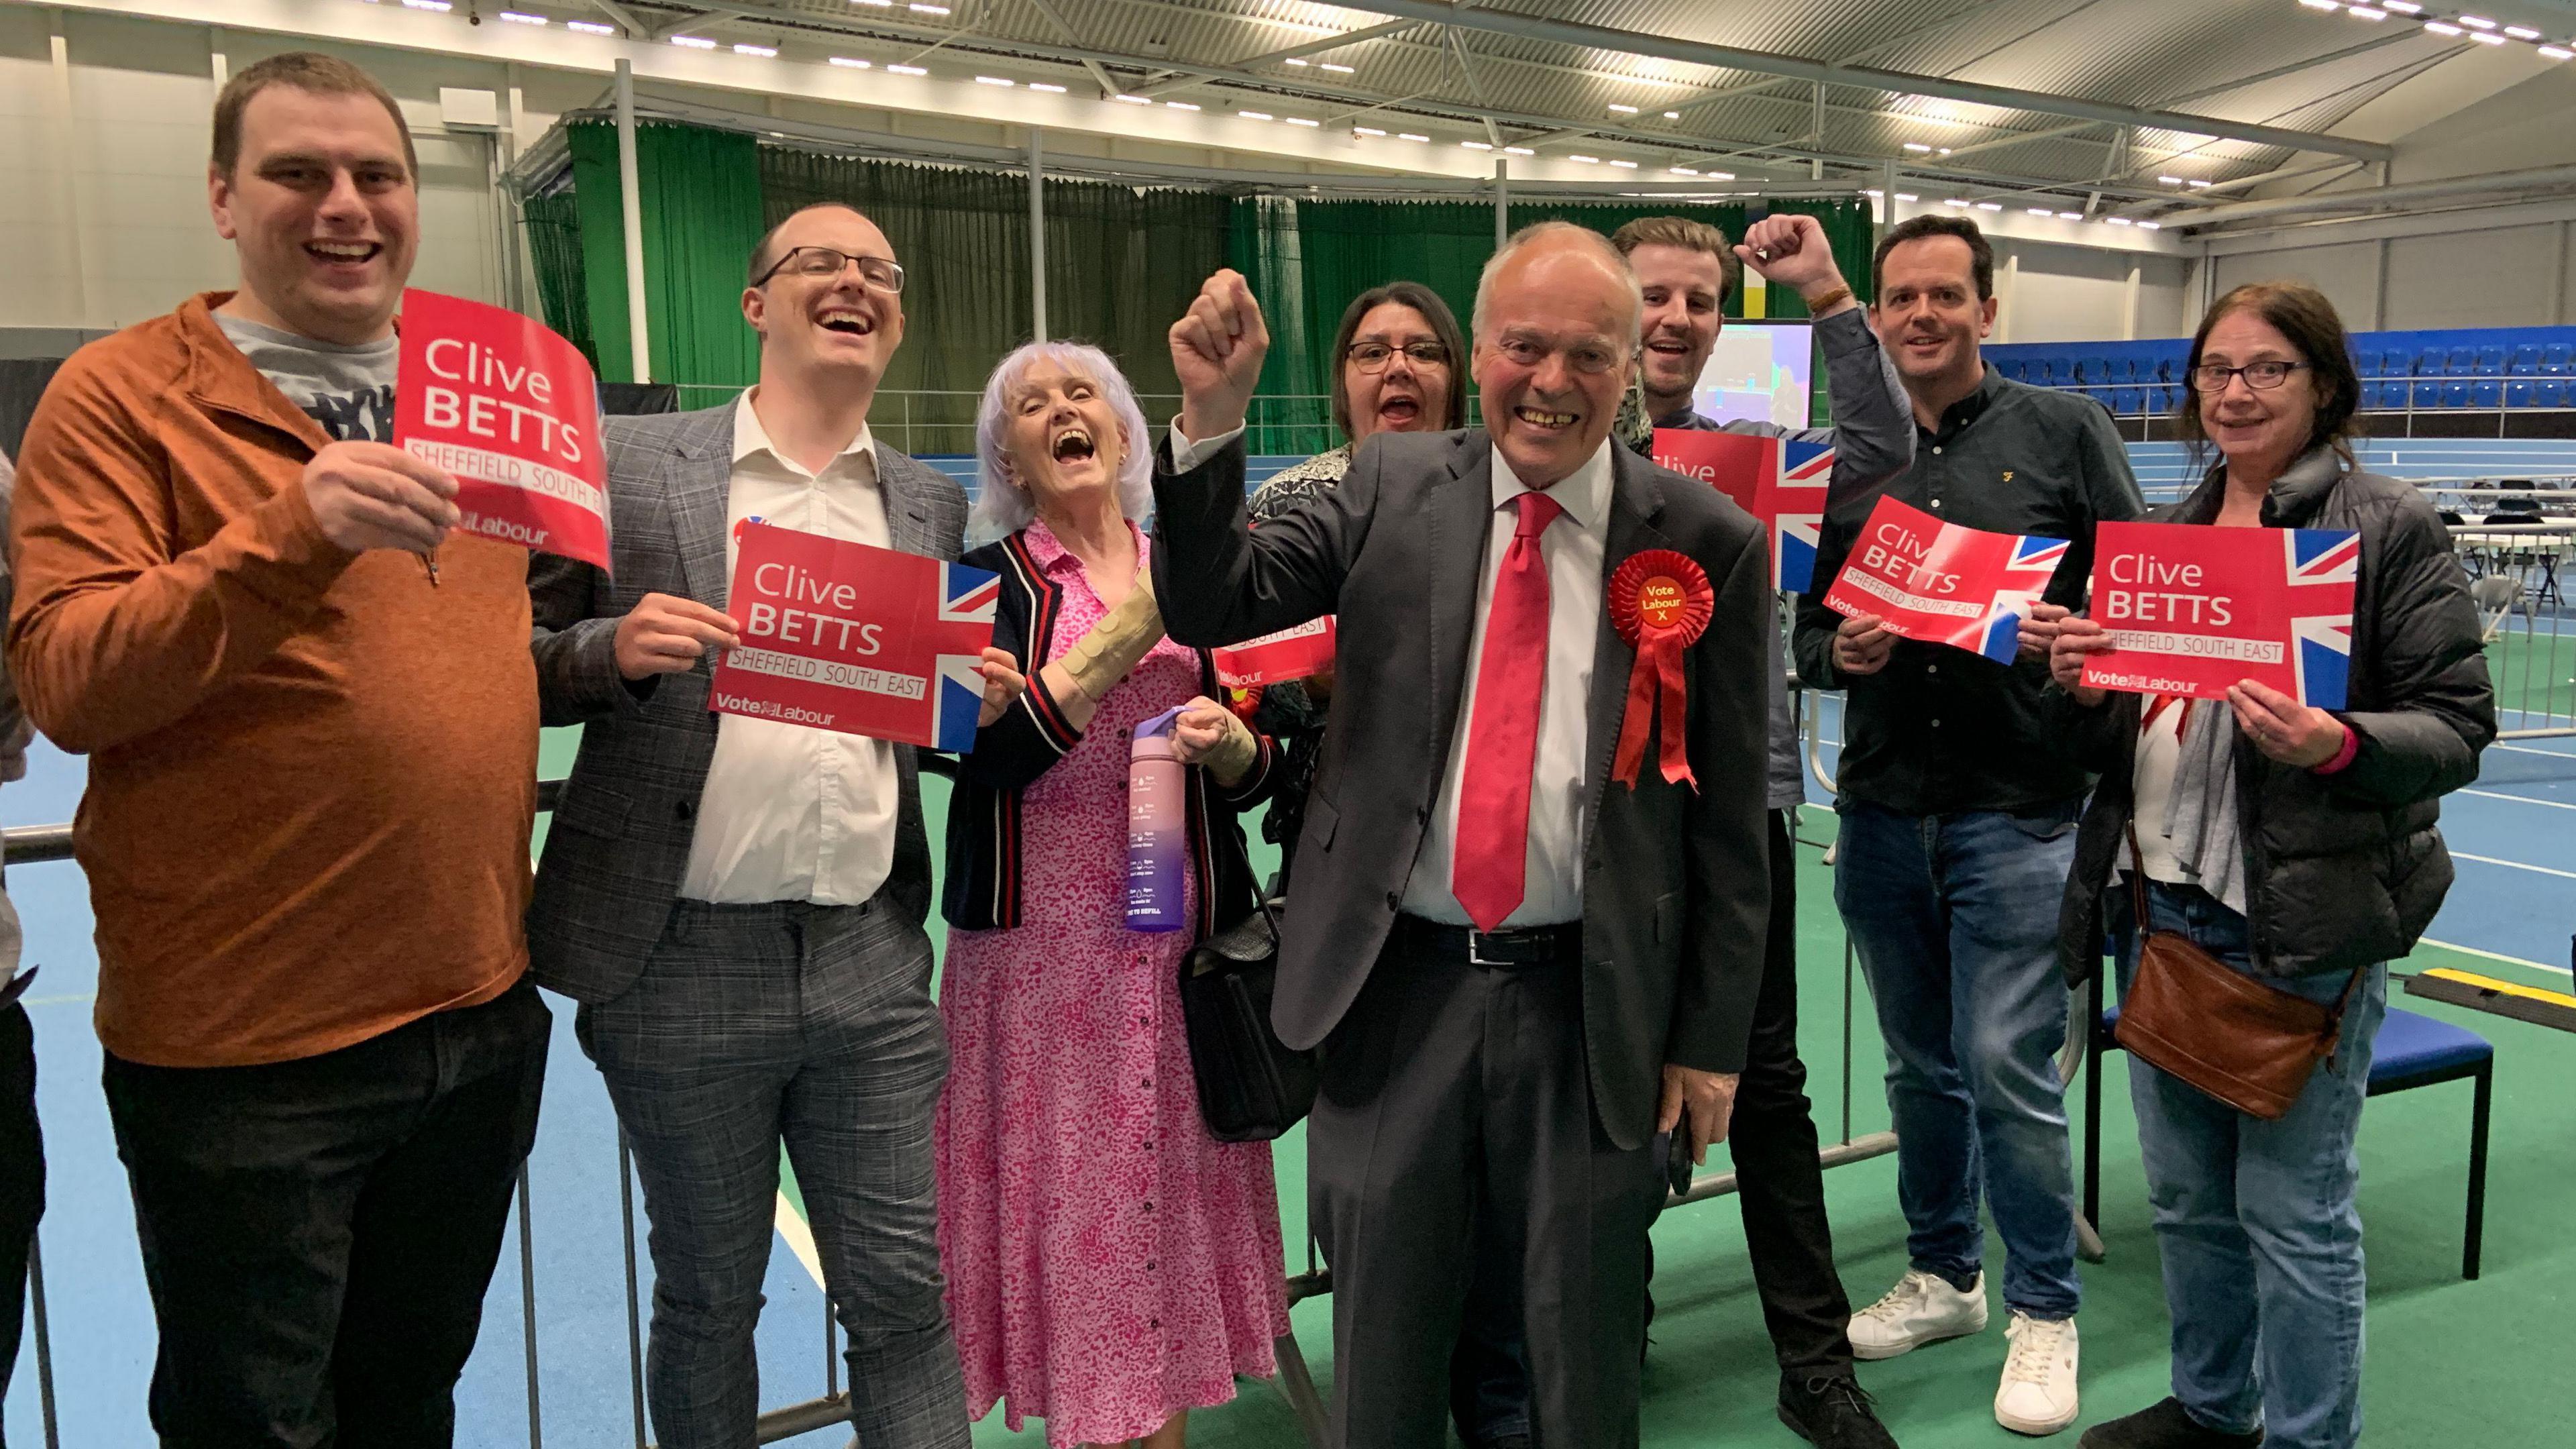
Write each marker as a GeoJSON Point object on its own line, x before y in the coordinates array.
{"type": "Point", "coordinates": [1493, 950]}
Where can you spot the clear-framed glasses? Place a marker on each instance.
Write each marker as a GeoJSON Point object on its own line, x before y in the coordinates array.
{"type": "Point", "coordinates": [826, 262]}
{"type": "Point", "coordinates": [1372, 357]}
{"type": "Point", "coordinates": [2260, 376]}
{"type": "Point", "coordinates": [1587, 357]}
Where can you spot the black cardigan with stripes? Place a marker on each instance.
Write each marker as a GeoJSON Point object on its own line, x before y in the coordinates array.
{"type": "Point", "coordinates": [982, 886]}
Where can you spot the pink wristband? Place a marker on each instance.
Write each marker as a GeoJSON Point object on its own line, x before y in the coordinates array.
{"type": "Point", "coordinates": [2342, 757]}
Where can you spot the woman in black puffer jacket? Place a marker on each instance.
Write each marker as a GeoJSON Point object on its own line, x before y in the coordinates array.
{"type": "Point", "coordinates": [2293, 844]}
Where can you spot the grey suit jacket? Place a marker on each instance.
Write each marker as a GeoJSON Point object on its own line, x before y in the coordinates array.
{"type": "Point", "coordinates": [619, 842]}
{"type": "Point", "coordinates": [1676, 882]}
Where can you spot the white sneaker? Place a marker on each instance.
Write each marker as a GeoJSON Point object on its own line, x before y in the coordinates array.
{"type": "Point", "coordinates": [1922, 1308]}
{"type": "Point", "coordinates": [2038, 1391]}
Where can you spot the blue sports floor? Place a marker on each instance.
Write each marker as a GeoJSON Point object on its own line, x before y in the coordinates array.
{"type": "Point", "coordinates": [2512, 912]}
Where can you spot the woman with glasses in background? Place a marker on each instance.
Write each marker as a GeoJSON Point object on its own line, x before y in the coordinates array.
{"type": "Point", "coordinates": [2295, 845]}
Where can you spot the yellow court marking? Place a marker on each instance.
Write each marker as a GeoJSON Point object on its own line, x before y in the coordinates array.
{"type": "Point", "coordinates": [2502, 988]}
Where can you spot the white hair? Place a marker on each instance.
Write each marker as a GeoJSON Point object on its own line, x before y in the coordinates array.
{"type": "Point", "coordinates": [1002, 503]}
{"type": "Point", "coordinates": [1539, 232]}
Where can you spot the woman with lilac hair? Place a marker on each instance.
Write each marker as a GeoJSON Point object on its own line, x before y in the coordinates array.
{"type": "Point", "coordinates": [1110, 1265]}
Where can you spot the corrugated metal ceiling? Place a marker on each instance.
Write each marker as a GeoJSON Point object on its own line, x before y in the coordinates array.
{"type": "Point", "coordinates": [2191, 56]}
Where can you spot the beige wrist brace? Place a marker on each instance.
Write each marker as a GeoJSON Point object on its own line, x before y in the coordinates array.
{"type": "Point", "coordinates": [1230, 758]}
{"type": "Point", "coordinates": [1124, 635]}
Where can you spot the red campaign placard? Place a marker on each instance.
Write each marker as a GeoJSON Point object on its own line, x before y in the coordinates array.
{"type": "Point", "coordinates": [512, 410]}
{"type": "Point", "coordinates": [1780, 481]}
{"type": "Point", "coordinates": [2194, 608]}
{"type": "Point", "coordinates": [1942, 584]}
{"type": "Point", "coordinates": [864, 640]}
{"type": "Point", "coordinates": [1275, 658]}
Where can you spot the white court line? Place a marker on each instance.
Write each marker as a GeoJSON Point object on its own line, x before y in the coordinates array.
{"type": "Point", "coordinates": [2498, 956]}
{"type": "Point", "coordinates": [800, 1238]}
{"type": "Point", "coordinates": [2528, 750]}
{"type": "Point", "coordinates": [2515, 864]}
{"type": "Point", "coordinates": [2518, 799]}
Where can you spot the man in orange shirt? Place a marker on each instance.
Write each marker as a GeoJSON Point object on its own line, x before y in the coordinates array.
{"type": "Point", "coordinates": [312, 722]}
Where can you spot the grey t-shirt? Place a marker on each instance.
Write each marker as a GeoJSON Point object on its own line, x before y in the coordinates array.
{"type": "Point", "coordinates": [349, 390]}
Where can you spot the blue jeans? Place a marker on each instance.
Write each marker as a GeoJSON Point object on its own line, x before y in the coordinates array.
{"type": "Point", "coordinates": [1955, 920]}
{"type": "Point", "coordinates": [2260, 1237]}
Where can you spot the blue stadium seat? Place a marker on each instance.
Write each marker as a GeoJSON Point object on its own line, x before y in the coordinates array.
{"type": "Point", "coordinates": [2124, 370]}
{"type": "Point", "coordinates": [2554, 357]}
{"type": "Point", "coordinates": [2128, 402]}
{"type": "Point", "coordinates": [2460, 362]}
{"type": "Point", "coordinates": [2168, 399]}
{"type": "Point", "coordinates": [2491, 359]}
{"type": "Point", "coordinates": [2526, 360]}
{"type": "Point", "coordinates": [2549, 392]}
{"type": "Point", "coordinates": [2517, 393]}
{"type": "Point", "coordinates": [2012, 368]}
{"type": "Point", "coordinates": [2412, 1050]}
{"type": "Point", "coordinates": [2487, 392]}
{"type": "Point", "coordinates": [2455, 393]}
{"type": "Point", "coordinates": [2427, 395]}
{"type": "Point", "coordinates": [2431, 362]}
{"type": "Point", "coordinates": [2369, 361]}
{"type": "Point", "coordinates": [2375, 397]}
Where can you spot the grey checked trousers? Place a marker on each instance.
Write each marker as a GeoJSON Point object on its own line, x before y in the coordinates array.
{"type": "Point", "coordinates": [812, 1025]}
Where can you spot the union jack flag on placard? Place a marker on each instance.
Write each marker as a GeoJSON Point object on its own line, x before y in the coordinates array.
{"type": "Point", "coordinates": [2324, 567]}
{"type": "Point", "coordinates": [2028, 566]}
{"type": "Point", "coordinates": [1797, 512]}
{"type": "Point", "coordinates": [1780, 481]}
{"type": "Point", "coordinates": [967, 597]}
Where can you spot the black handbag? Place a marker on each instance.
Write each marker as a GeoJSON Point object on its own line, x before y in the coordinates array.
{"type": "Point", "coordinates": [1252, 1087]}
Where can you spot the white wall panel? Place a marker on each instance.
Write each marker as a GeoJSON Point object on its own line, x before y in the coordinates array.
{"type": "Point", "coordinates": [2346, 273]}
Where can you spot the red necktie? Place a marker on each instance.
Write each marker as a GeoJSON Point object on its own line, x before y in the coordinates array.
{"type": "Point", "coordinates": [1492, 857]}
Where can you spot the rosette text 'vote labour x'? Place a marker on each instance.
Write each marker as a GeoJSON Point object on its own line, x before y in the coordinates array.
{"type": "Point", "coordinates": [1660, 602]}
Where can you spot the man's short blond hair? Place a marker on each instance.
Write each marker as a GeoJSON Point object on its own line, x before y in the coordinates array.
{"type": "Point", "coordinates": [1690, 236]}
{"type": "Point", "coordinates": [1563, 231]}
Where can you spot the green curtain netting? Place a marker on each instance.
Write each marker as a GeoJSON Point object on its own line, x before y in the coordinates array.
{"type": "Point", "coordinates": [701, 212]}
{"type": "Point", "coordinates": [554, 246]}
{"type": "Point", "coordinates": [1122, 262]}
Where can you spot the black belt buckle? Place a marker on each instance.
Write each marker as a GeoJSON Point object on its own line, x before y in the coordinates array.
{"type": "Point", "coordinates": [1510, 948]}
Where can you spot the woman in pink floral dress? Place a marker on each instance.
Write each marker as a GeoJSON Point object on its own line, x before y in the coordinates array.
{"type": "Point", "coordinates": [1110, 1266]}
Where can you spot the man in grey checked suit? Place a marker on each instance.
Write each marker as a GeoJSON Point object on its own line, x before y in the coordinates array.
{"type": "Point", "coordinates": [737, 904]}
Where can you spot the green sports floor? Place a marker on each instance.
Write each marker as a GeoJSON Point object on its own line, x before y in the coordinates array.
{"type": "Point", "coordinates": [2491, 1358]}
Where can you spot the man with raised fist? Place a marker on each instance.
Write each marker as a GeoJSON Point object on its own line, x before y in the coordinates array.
{"type": "Point", "coordinates": [1518, 967]}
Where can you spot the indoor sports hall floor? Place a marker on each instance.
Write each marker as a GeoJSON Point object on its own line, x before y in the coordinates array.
{"type": "Point", "coordinates": [2448, 1359]}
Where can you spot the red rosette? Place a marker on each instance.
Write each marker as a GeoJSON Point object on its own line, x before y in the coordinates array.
{"type": "Point", "coordinates": [1660, 602]}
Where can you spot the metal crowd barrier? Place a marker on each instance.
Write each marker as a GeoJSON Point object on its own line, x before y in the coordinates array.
{"type": "Point", "coordinates": [28, 845]}
{"type": "Point", "coordinates": [2518, 577]}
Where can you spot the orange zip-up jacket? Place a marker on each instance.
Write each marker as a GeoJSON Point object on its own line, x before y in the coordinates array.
{"type": "Point", "coordinates": [312, 773]}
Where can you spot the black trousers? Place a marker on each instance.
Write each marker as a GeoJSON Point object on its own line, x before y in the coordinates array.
{"type": "Point", "coordinates": [1781, 1192]}
{"type": "Point", "coordinates": [318, 1234]}
{"type": "Point", "coordinates": [1774, 1142]}
{"type": "Point", "coordinates": [22, 1177]}
{"type": "Point", "coordinates": [1454, 1121]}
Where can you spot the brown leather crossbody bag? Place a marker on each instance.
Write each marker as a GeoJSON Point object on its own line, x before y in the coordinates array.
{"type": "Point", "coordinates": [2248, 1044]}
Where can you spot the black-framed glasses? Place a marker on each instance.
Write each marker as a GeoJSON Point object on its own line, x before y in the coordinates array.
{"type": "Point", "coordinates": [2261, 376]}
{"type": "Point", "coordinates": [1372, 357]}
{"type": "Point", "coordinates": [826, 262]}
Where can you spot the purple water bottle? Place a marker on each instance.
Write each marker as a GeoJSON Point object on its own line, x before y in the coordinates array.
{"type": "Point", "coordinates": [1158, 842]}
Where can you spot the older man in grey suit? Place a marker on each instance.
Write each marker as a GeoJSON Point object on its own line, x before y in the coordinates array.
{"type": "Point", "coordinates": [737, 904]}
{"type": "Point", "coordinates": [1519, 970]}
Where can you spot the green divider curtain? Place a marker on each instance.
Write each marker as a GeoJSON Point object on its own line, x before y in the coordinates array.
{"type": "Point", "coordinates": [554, 247]}
{"type": "Point", "coordinates": [1122, 263]}
{"type": "Point", "coordinates": [702, 215]}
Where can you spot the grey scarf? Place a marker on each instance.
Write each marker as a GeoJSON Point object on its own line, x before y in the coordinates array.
{"type": "Point", "coordinates": [2200, 814]}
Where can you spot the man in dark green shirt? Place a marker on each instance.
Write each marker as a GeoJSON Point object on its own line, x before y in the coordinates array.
{"type": "Point", "coordinates": [1958, 828]}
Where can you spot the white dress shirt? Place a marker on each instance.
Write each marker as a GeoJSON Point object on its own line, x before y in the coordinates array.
{"type": "Point", "coordinates": [791, 813]}
{"type": "Point", "coordinates": [1573, 547]}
